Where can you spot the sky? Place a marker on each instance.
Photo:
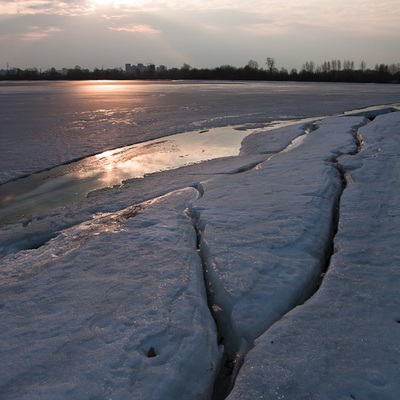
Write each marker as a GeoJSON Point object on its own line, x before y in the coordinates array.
{"type": "Point", "coordinates": [202, 33]}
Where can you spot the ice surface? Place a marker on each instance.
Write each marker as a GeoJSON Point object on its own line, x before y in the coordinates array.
{"type": "Point", "coordinates": [344, 343]}
{"type": "Point", "coordinates": [52, 123]}
{"type": "Point", "coordinates": [81, 314]}
{"type": "Point", "coordinates": [116, 296]}
{"type": "Point", "coordinates": [31, 231]}
{"type": "Point", "coordinates": [267, 232]}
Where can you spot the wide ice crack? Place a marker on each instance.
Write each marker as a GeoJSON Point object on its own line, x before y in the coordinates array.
{"type": "Point", "coordinates": [221, 310]}
{"type": "Point", "coordinates": [222, 305]}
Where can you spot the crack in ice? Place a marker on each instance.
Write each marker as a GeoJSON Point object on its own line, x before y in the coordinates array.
{"type": "Point", "coordinates": [219, 303]}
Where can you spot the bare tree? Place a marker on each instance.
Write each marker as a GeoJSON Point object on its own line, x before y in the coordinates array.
{"type": "Point", "coordinates": [394, 68]}
{"type": "Point", "coordinates": [326, 66]}
{"type": "Point", "coordinates": [270, 64]}
{"type": "Point", "coordinates": [348, 65]}
{"type": "Point", "coordinates": [252, 64]}
{"type": "Point", "coordinates": [308, 66]}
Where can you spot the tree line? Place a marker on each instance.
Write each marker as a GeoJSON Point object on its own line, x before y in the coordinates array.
{"type": "Point", "coordinates": [328, 71]}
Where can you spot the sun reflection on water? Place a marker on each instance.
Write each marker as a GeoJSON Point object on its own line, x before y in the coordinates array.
{"type": "Point", "coordinates": [71, 183]}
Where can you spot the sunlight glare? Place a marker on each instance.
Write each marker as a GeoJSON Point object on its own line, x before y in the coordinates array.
{"type": "Point", "coordinates": [114, 3]}
{"type": "Point", "coordinates": [103, 3]}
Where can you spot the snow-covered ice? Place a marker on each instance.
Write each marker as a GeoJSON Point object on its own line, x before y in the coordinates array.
{"type": "Point", "coordinates": [344, 343]}
{"type": "Point", "coordinates": [161, 287]}
{"type": "Point", "coordinates": [267, 237]}
{"type": "Point", "coordinates": [113, 308]}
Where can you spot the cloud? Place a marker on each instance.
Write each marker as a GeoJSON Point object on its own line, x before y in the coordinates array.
{"type": "Point", "coordinates": [359, 15]}
{"type": "Point", "coordinates": [136, 28]}
{"type": "Point", "coordinates": [38, 33]}
{"type": "Point", "coordinates": [264, 29]}
{"type": "Point", "coordinates": [32, 7]}
{"type": "Point", "coordinates": [211, 27]}
{"type": "Point", "coordinates": [32, 33]}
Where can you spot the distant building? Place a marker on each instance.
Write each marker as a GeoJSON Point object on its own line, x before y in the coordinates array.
{"type": "Point", "coordinates": [140, 69]}
{"type": "Point", "coordinates": [128, 68]}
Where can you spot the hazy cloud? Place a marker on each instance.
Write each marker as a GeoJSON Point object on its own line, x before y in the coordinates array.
{"type": "Point", "coordinates": [266, 29]}
{"type": "Point", "coordinates": [211, 27]}
{"type": "Point", "coordinates": [357, 15]}
{"type": "Point", "coordinates": [29, 7]}
{"type": "Point", "coordinates": [135, 29]}
{"type": "Point", "coordinates": [31, 33]}
{"type": "Point", "coordinates": [39, 33]}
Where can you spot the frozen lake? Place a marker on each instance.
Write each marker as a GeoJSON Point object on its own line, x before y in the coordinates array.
{"type": "Point", "coordinates": [43, 125]}
{"type": "Point", "coordinates": [168, 240]}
